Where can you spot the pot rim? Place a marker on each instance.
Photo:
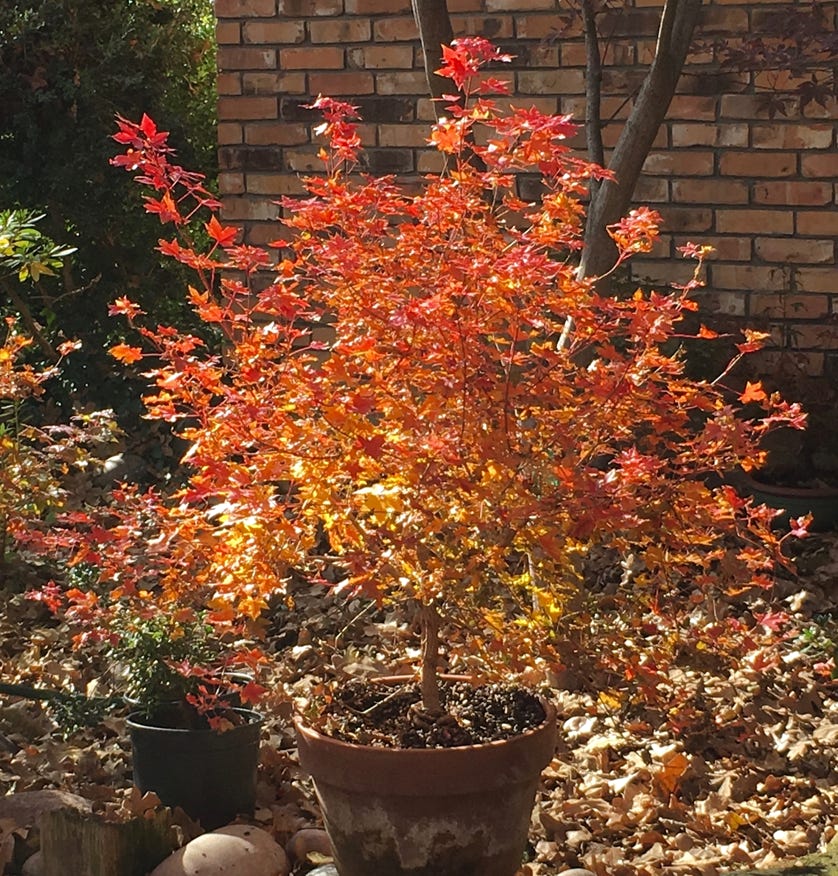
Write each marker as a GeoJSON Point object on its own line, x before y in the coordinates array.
{"type": "Point", "coordinates": [788, 492]}
{"type": "Point", "coordinates": [550, 714]}
{"type": "Point", "coordinates": [141, 721]}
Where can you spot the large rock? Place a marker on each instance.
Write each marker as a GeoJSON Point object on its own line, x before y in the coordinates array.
{"type": "Point", "coordinates": [26, 808]}
{"type": "Point", "coordinates": [236, 850]}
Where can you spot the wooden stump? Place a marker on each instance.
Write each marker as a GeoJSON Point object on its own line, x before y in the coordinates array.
{"type": "Point", "coordinates": [88, 845]}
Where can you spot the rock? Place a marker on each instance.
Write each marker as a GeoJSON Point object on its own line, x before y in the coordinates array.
{"type": "Point", "coordinates": [306, 841]}
{"type": "Point", "coordinates": [25, 808]}
{"type": "Point", "coordinates": [576, 871]}
{"type": "Point", "coordinates": [235, 850]}
{"type": "Point", "coordinates": [34, 865]}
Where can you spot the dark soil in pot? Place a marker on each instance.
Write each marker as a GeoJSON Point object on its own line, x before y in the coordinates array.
{"type": "Point", "coordinates": [370, 713]}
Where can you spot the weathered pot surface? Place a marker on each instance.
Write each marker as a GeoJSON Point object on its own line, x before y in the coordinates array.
{"type": "Point", "coordinates": [461, 811]}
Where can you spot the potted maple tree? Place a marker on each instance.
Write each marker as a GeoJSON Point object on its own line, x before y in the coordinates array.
{"type": "Point", "coordinates": [185, 672]}
{"type": "Point", "coordinates": [418, 379]}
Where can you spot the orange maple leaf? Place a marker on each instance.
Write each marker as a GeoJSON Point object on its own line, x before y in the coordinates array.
{"type": "Point", "coordinates": [126, 354]}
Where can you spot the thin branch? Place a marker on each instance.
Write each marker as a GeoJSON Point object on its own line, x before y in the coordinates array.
{"type": "Point", "coordinates": [593, 89]}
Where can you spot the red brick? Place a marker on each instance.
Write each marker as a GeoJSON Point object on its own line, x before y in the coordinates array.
{"type": "Point", "coordinates": [819, 337]}
{"type": "Point", "coordinates": [311, 58]}
{"type": "Point", "coordinates": [353, 30]}
{"type": "Point", "coordinates": [793, 193]}
{"type": "Point", "coordinates": [455, 6]}
{"type": "Point", "coordinates": [229, 134]}
{"type": "Point", "coordinates": [742, 106]}
{"type": "Point", "coordinates": [273, 184]}
{"type": "Point", "coordinates": [238, 58]}
{"type": "Point", "coordinates": [492, 27]}
{"type": "Point", "coordinates": [407, 82]}
{"type": "Point", "coordinates": [229, 83]}
{"type": "Point", "coordinates": [745, 277]}
{"type": "Point", "coordinates": [709, 191]}
{"type": "Point", "coordinates": [539, 27]}
{"type": "Point", "coordinates": [726, 248]}
{"type": "Point", "coordinates": [819, 165]}
{"type": "Point", "coordinates": [685, 134]}
{"type": "Point", "coordinates": [726, 303]}
{"type": "Point", "coordinates": [430, 161]}
{"type": "Point", "coordinates": [273, 83]}
{"type": "Point", "coordinates": [788, 306]}
{"type": "Point", "coordinates": [663, 272]}
{"type": "Point", "coordinates": [718, 19]}
{"type": "Point", "coordinates": [815, 223]}
{"type": "Point", "coordinates": [274, 32]}
{"type": "Point", "coordinates": [611, 133]}
{"type": "Point", "coordinates": [302, 8]}
{"type": "Point", "coordinates": [378, 7]}
{"type": "Point", "coordinates": [276, 134]}
{"type": "Point", "coordinates": [771, 362]}
{"type": "Point", "coordinates": [262, 233]}
{"type": "Point", "coordinates": [755, 165]}
{"type": "Point", "coordinates": [244, 8]}
{"type": "Point", "coordinates": [792, 136]}
{"type": "Point", "coordinates": [679, 163]}
{"type": "Point", "coordinates": [792, 250]}
{"type": "Point", "coordinates": [746, 221]}
{"type": "Point", "coordinates": [237, 107]}
{"type": "Point", "coordinates": [651, 190]}
{"type": "Point", "coordinates": [303, 160]}
{"type": "Point", "coordinates": [551, 82]}
{"type": "Point", "coordinates": [341, 83]}
{"type": "Point", "coordinates": [249, 208]}
{"type": "Point", "coordinates": [395, 30]}
{"type": "Point", "coordinates": [231, 183]}
{"type": "Point", "coordinates": [818, 279]}
{"type": "Point", "coordinates": [403, 135]}
{"type": "Point", "coordinates": [692, 106]}
{"type": "Point", "coordinates": [686, 219]}
{"type": "Point", "coordinates": [228, 33]}
{"type": "Point", "coordinates": [382, 57]}
{"type": "Point", "coordinates": [518, 5]}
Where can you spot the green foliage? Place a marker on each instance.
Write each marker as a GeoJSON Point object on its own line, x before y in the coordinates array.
{"type": "Point", "coordinates": [66, 68]}
{"type": "Point", "coordinates": [24, 250]}
{"type": "Point", "coordinates": [147, 649]}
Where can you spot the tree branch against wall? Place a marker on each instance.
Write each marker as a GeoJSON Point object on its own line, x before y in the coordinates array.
{"type": "Point", "coordinates": [610, 199]}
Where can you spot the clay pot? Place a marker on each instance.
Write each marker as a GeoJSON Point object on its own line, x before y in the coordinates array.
{"type": "Point", "coordinates": [428, 812]}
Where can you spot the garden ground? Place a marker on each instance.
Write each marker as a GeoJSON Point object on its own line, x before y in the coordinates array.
{"type": "Point", "coordinates": [743, 772]}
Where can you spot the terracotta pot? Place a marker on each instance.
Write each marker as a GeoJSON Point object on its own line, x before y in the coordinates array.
{"type": "Point", "coordinates": [428, 812]}
{"type": "Point", "coordinates": [820, 502]}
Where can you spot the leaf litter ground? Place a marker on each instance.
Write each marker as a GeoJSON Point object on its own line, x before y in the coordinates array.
{"type": "Point", "coordinates": [743, 773]}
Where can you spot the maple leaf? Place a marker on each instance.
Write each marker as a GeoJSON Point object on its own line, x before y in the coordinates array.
{"type": "Point", "coordinates": [126, 354]}
{"type": "Point", "coordinates": [125, 307]}
{"type": "Point", "coordinates": [753, 393]}
{"type": "Point", "coordinates": [252, 692]}
{"type": "Point", "coordinates": [222, 235]}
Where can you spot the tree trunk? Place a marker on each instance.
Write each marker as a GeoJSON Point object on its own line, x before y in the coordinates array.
{"type": "Point", "coordinates": [613, 198]}
{"type": "Point", "coordinates": [429, 621]}
{"type": "Point", "coordinates": [84, 844]}
{"type": "Point", "coordinates": [435, 31]}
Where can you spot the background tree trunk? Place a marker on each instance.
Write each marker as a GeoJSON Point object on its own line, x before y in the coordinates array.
{"type": "Point", "coordinates": [610, 200]}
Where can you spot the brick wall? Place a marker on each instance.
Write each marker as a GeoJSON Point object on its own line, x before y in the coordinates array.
{"type": "Point", "coordinates": [762, 191]}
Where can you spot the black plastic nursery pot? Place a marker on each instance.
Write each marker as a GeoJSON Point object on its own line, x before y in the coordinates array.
{"type": "Point", "coordinates": [820, 502]}
{"type": "Point", "coordinates": [211, 775]}
{"type": "Point", "coordinates": [428, 812]}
